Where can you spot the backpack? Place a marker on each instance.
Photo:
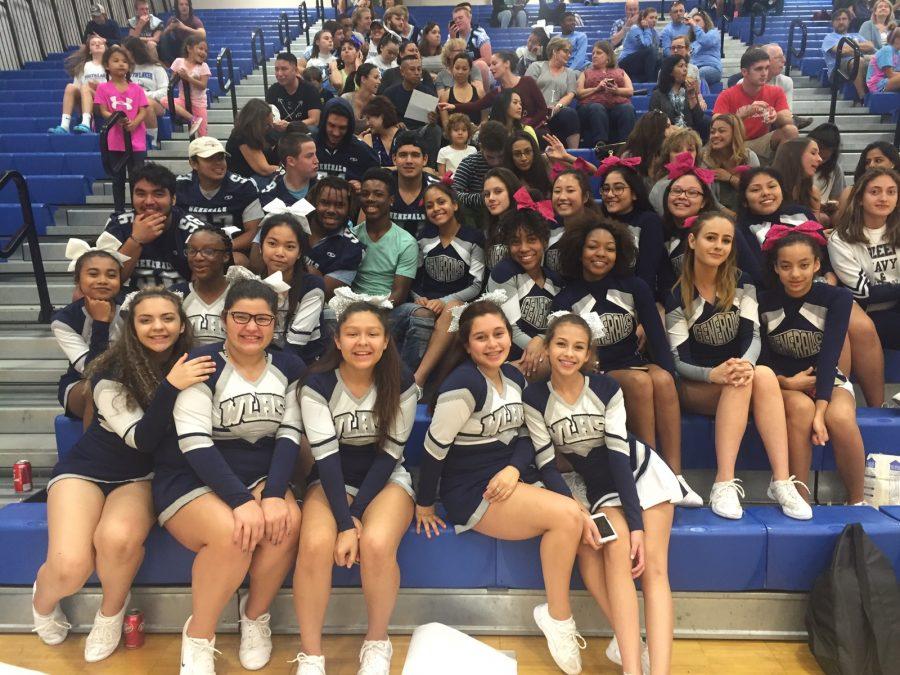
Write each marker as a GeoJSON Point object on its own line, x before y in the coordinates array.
{"type": "Point", "coordinates": [853, 616]}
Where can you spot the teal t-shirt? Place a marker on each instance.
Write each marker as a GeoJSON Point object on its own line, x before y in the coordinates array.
{"type": "Point", "coordinates": [395, 253]}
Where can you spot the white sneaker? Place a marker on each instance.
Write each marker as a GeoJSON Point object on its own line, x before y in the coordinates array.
{"type": "Point", "coordinates": [53, 628]}
{"type": "Point", "coordinates": [562, 638]}
{"type": "Point", "coordinates": [196, 123]}
{"type": "Point", "coordinates": [105, 635]}
{"type": "Point", "coordinates": [792, 504]}
{"type": "Point", "coordinates": [689, 498]}
{"type": "Point", "coordinates": [198, 656]}
{"type": "Point", "coordinates": [308, 664]}
{"type": "Point", "coordinates": [613, 654]}
{"type": "Point", "coordinates": [375, 657]}
{"type": "Point", "coordinates": [256, 639]}
{"type": "Point", "coordinates": [723, 499]}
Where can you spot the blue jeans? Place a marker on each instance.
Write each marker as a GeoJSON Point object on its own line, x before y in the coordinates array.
{"type": "Point", "coordinates": [506, 17]}
{"type": "Point", "coordinates": [411, 333]}
{"type": "Point", "coordinates": [600, 124]}
{"type": "Point", "coordinates": [564, 123]}
{"type": "Point", "coordinates": [710, 74]}
{"type": "Point", "coordinates": [641, 65]}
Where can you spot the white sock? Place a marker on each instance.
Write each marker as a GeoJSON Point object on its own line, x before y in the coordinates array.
{"type": "Point", "coordinates": [65, 121]}
{"type": "Point", "coordinates": [153, 133]}
{"type": "Point", "coordinates": [86, 119]}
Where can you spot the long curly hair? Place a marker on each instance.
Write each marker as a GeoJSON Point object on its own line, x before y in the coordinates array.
{"type": "Point", "coordinates": [128, 362]}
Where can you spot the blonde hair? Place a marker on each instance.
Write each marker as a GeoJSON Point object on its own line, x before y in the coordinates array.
{"type": "Point", "coordinates": [737, 154]}
{"type": "Point", "coordinates": [556, 44]}
{"type": "Point", "coordinates": [396, 10]}
{"type": "Point", "coordinates": [451, 45]}
{"type": "Point", "coordinates": [726, 274]}
{"type": "Point", "coordinates": [681, 137]}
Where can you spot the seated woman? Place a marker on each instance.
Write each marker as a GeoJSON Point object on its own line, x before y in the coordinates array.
{"type": "Point", "coordinates": [383, 123]}
{"type": "Point", "coordinates": [500, 184]}
{"type": "Point", "coordinates": [249, 150]}
{"type": "Point", "coordinates": [604, 94]}
{"type": "Point", "coordinates": [445, 78]}
{"type": "Point", "coordinates": [797, 161]}
{"type": "Point", "coordinates": [727, 156]}
{"type": "Point", "coordinates": [478, 449]}
{"type": "Point", "coordinates": [829, 177]}
{"type": "Point", "coordinates": [678, 96]}
{"type": "Point", "coordinates": [557, 83]}
{"type": "Point", "coordinates": [644, 142]}
{"type": "Point", "coordinates": [507, 110]}
{"type": "Point", "coordinates": [713, 326]}
{"type": "Point", "coordinates": [596, 261]}
{"type": "Point", "coordinates": [358, 406]}
{"type": "Point", "coordinates": [461, 89]}
{"type": "Point", "coordinates": [878, 153]}
{"type": "Point", "coordinates": [679, 141]}
{"type": "Point", "coordinates": [366, 81]}
{"type": "Point", "coordinates": [706, 47]}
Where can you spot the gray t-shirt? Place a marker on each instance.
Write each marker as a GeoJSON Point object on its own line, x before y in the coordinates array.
{"type": "Point", "coordinates": [553, 87]}
{"type": "Point", "coordinates": [444, 79]}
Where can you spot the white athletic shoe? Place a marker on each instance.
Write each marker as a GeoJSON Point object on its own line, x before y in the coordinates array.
{"type": "Point", "coordinates": [723, 499]}
{"type": "Point", "coordinates": [613, 654]}
{"type": "Point", "coordinates": [309, 665]}
{"type": "Point", "coordinates": [689, 498]}
{"type": "Point", "coordinates": [375, 657]}
{"type": "Point", "coordinates": [256, 639]}
{"type": "Point", "coordinates": [198, 656]}
{"type": "Point", "coordinates": [54, 627]}
{"type": "Point", "coordinates": [105, 635]}
{"type": "Point", "coordinates": [792, 504]}
{"type": "Point", "coordinates": [563, 640]}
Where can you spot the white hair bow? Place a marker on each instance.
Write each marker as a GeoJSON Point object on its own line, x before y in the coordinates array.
{"type": "Point", "coordinates": [498, 297]}
{"type": "Point", "coordinates": [75, 248]}
{"type": "Point", "coordinates": [126, 302]}
{"type": "Point", "coordinates": [274, 281]}
{"type": "Point", "coordinates": [299, 209]}
{"type": "Point", "coordinates": [591, 319]}
{"type": "Point", "coordinates": [344, 297]}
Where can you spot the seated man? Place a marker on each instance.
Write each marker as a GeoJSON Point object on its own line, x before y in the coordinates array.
{"type": "Point", "coordinates": [396, 20]}
{"type": "Point", "coordinates": [762, 107]}
{"type": "Point", "coordinates": [341, 153]}
{"type": "Point", "coordinates": [154, 232]}
{"type": "Point", "coordinates": [677, 27]}
{"type": "Point", "coordinates": [840, 24]}
{"type": "Point", "coordinates": [391, 76]}
{"type": "Point", "coordinates": [145, 26]}
{"type": "Point", "coordinates": [478, 42]}
{"type": "Point", "coordinates": [219, 197]}
{"type": "Point", "coordinates": [296, 100]}
{"type": "Point", "coordinates": [621, 27]}
{"type": "Point", "coordinates": [297, 155]}
{"type": "Point", "coordinates": [579, 57]}
{"type": "Point", "coordinates": [779, 79]}
{"type": "Point", "coordinates": [400, 95]}
{"type": "Point", "coordinates": [410, 157]}
{"type": "Point", "coordinates": [100, 24]}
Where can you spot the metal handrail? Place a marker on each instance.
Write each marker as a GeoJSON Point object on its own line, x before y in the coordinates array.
{"type": "Point", "coordinates": [125, 162]}
{"type": "Point", "coordinates": [838, 77]}
{"type": "Point", "coordinates": [258, 59]}
{"type": "Point", "coordinates": [229, 85]}
{"type": "Point", "coordinates": [28, 232]}
{"type": "Point", "coordinates": [320, 10]}
{"type": "Point", "coordinates": [170, 94]}
{"type": "Point", "coordinates": [792, 52]}
{"type": "Point", "coordinates": [756, 11]}
{"type": "Point", "coordinates": [724, 22]}
{"type": "Point", "coordinates": [284, 32]}
{"type": "Point", "coordinates": [303, 15]}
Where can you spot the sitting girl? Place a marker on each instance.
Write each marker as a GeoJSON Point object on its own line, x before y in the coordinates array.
{"type": "Point", "coordinates": [87, 70]}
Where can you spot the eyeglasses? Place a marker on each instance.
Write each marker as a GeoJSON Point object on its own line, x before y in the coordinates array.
{"type": "Point", "coordinates": [523, 153]}
{"type": "Point", "coordinates": [681, 192]}
{"type": "Point", "coordinates": [207, 253]}
{"type": "Point", "coordinates": [261, 320]}
{"type": "Point", "coordinates": [617, 190]}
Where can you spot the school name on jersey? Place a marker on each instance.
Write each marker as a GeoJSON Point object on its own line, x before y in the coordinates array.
{"type": "Point", "coordinates": [617, 327]}
{"type": "Point", "coordinates": [508, 418]}
{"type": "Point", "coordinates": [535, 309]}
{"type": "Point", "coordinates": [577, 428]}
{"type": "Point", "coordinates": [251, 407]}
{"type": "Point", "coordinates": [356, 424]}
{"type": "Point", "coordinates": [799, 344]}
{"type": "Point", "coordinates": [717, 330]}
{"type": "Point", "coordinates": [445, 268]}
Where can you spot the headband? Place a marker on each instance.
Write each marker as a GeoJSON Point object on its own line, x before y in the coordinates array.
{"type": "Point", "coordinates": [595, 325]}
{"type": "Point", "coordinates": [497, 297]}
{"type": "Point", "coordinates": [344, 297]}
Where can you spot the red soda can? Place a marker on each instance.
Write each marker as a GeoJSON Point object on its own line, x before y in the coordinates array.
{"type": "Point", "coordinates": [22, 476]}
{"type": "Point", "coordinates": [134, 629]}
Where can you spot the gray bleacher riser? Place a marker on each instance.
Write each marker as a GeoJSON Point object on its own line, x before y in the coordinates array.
{"type": "Point", "coordinates": [29, 343]}
{"type": "Point", "coordinates": [22, 291]}
{"type": "Point", "coordinates": [26, 371]}
{"type": "Point", "coordinates": [34, 416]}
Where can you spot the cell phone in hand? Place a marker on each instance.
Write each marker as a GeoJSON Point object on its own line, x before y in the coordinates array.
{"type": "Point", "coordinates": [607, 532]}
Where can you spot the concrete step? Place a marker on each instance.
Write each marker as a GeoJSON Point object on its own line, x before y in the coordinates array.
{"type": "Point", "coordinates": [20, 290]}
{"type": "Point", "coordinates": [29, 343]}
{"type": "Point", "coordinates": [19, 314]}
{"type": "Point", "coordinates": [31, 370]}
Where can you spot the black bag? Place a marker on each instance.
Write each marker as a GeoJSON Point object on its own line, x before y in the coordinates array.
{"type": "Point", "coordinates": [853, 616]}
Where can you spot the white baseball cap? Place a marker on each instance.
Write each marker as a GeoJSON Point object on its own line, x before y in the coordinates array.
{"type": "Point", "coordinates": [205, 146]}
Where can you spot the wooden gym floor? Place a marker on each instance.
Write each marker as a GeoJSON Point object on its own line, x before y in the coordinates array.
{"type": "Point", "coordinates": [160, 656]}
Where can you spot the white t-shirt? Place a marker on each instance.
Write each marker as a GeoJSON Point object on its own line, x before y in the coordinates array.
{"type": "Point", "coordinates": [860, 266]}
{"type": "Point", "coordinates": [153, 78]}
{"type": "Point", "coordinates": [93, 72]}
{"type": "Point", "coordinates": [450, 157]}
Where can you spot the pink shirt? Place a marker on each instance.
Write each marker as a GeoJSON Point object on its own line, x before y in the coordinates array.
{"type": "Point", "coordinates": [198, 95]}
{"type": "Point", "coordinates": [129, 102]}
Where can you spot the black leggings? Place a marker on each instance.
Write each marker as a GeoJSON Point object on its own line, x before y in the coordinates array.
{"type": "Point", "coordinates": [118, 180]}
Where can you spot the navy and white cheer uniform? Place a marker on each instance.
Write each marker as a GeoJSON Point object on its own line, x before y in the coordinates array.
{"type": "Point", "coordinates": [163, 261]}
{"type": "Point", "coordinates": [675, 246]}
{"type": "Point", "coordinates": [551, 254]}
{"type": "Point", "coordinates": [451, 272]}
{"type": "Point", "coordinates": [232, 434]}
{"type": "Point", "coordinates": [302, 330]}
{"type": "Point", "coordinates": [807, 332]}
{"type": "Point", "coordinates": [343, 436]}
{"type": "Point", "coordinates": [475, 432]}
{"type": "Point", "coordinates": [82, 340]}
{"type": "Point", "coordinates": [235, 202]}
{"type": "Point", "coordinates": [647, 230]}
{"type": "Point", "coordinates": [527, 303]}
{"type": "Point", "coordinates": [119, 445]}
{"type": "Point", "coordinates": [206, 319]}
{"type": "Point", "coordinates": [710, 335]}
{"type": "Point", "coordinates": [590, 433]}
{"type": "Point", "coordinates": [621, 303]}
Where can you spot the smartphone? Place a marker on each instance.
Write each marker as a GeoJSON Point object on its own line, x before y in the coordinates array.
{"type": "Point", "coordinates": [607, 533]}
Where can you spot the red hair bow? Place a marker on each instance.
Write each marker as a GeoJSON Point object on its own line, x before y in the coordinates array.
{"type": "Point", "coordinates": [741, 168]}
{"type": "Point", "coordinates": [688, 222]}
{"type": "Point", "coordinates": [578, 165]}
{"type": "Point", "coordinates": [684, 164]}
{"type": "Point", "coordinates": [525, 202]}
{"type": "Point", "coordinates": [778, 231]}
{"type": "Point", "coordinates": [611, 162]}
{"type": "Point", "coordinates": [447, 179]}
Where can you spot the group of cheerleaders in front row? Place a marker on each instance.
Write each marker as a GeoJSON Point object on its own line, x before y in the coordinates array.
{"type": "Point", "coordinates": [208, 439]}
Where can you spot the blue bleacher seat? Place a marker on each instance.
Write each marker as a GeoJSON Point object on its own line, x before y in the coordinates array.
{"type": "Point", "coordinates": [892, 511]}
{"type": "Point", "coordinates": [11, 218]}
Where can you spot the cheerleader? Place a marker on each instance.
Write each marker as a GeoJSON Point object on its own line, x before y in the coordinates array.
{"type": "Point", "coordinates": [85, 328]}
{"type": "Point", "coordinates": [223, 491]}
{"type": "Point", "coordinates": [574, 205]}
{"type": "Point", "coordinates": [529, 286]}
{"type": "Point", "coordinates": [451, 271]}
{"type": "Point", "coordinates": [597, 258]}
{"type": "Point", "coordinates": [301, 300]}
{"type": "Point", "coordinates": [500, 184]}
{"type": "Point", "coordinates": [478, 448]}
{"type": "Point", "coordinates": [99, 509]}
{"type": "Point", "coordinates": [713, 326]}
{"type": "Point", "coordinates": [803, 326]}
{"type": "Point", "coordinates": [359, 407]}
{"type": "Point", "coordinates": [582, 417]}
{"type": "Point", "coordinates": [863, 249]}
{"type": "Point", "coordinates": [209, 255]}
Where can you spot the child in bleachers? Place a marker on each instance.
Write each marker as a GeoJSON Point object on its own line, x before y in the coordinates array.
{"type": "Point", "coordinates": [194, 73]}
{"type": "Point", "coordinates": [803, 326]}
{"type": "Point", "coordinates": [154, 80]}
{"type": "Point", "coordinates": [713, 327]}
{"type": "Point", "coordinates": [120, 94]}
{"type": "Point", "coordinates": [87, 69]}
{"type": "Point", "coordinates": [458, 130]}
{"type": "Point", "coordinates": [322, 57]}
{"type": "Point", "coordinates": [99, 508]}
{"type": "Point", "coordinates": [884, 68]}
